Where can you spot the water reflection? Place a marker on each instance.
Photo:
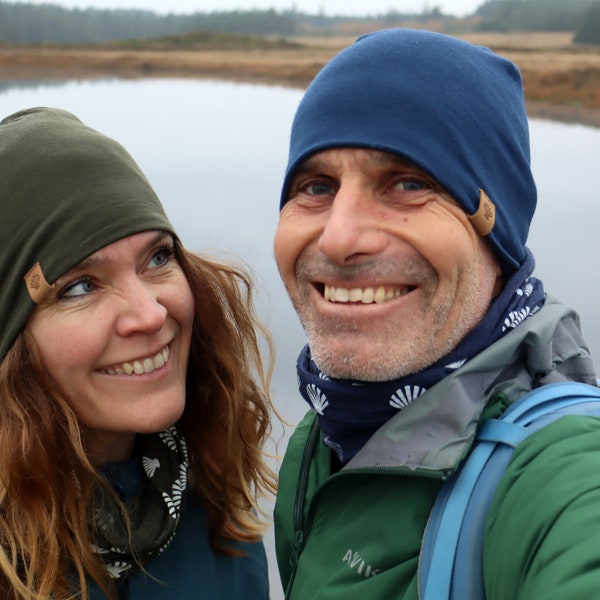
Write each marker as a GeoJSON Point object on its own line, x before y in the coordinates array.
{"type": "Point", "coordinates": [216, 151]}
{"type": "Point", "coordinates": [565, 231]}
{"type": "Point", "coordinates": [30, 84]}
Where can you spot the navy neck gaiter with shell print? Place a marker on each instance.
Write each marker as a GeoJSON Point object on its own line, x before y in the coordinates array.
{"type": "Point", "coordinates": [349, 412]}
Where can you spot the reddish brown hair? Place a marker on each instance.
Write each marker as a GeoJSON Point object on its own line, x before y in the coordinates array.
{"type": "Point", "coordinates": [47, 481]}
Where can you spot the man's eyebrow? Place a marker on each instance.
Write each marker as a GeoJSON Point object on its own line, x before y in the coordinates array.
{"type": "Point", "coordinates": [313, 163]}
{"type": "Point", "coordinates": [387, 158]}
{"type": "Point", "coordinates": [377, 158]}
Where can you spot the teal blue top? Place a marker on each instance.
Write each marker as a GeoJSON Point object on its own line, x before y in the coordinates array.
{"type": "Point", "coordinates": [189, 568]}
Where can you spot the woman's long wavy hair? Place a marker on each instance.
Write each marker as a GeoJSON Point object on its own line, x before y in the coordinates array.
{"type": "Point", "coordinates": [48, 483]}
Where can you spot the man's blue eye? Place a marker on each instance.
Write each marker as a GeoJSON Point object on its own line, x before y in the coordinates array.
{"type": "Point", "coordinates": [318, 189]}
{"type": "Point", "coordinates": [412, 185]}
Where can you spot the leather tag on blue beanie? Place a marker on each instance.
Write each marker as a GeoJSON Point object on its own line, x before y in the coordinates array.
{"type": "Point", "coordinates": [484, 218]}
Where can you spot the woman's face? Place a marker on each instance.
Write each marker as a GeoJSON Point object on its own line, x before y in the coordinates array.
{"type": "Point", "coordinates": [115, 337]}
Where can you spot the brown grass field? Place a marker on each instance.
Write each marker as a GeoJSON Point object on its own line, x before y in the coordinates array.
{"type": "Point", "coordinates": [562, 80]}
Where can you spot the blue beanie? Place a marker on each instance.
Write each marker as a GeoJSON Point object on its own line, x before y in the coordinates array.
{"type": "Point", "coordinates": [454, 109]}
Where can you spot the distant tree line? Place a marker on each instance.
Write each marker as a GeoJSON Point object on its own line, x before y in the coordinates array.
{"type": "Point", "coordinates": [48, 23]}
{"type": "Point", "coordinates": [588, 31]}
{"type": "Point", "coordinates": [533, 15]}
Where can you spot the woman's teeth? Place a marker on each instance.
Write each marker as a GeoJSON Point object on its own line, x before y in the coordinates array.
{"type": "Point", "coordinates": [138, 367]}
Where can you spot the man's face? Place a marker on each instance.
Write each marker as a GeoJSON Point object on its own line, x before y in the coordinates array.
{"type": "Point", "coordinates": [384, 269]}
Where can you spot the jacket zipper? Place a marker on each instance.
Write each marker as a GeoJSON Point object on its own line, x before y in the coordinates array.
{"type": "Point", "coordinates": [302, 526]}
{"type": "Point", "coordinates": [299, 501]}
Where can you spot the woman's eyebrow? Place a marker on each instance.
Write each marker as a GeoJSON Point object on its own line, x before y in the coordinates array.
{"type": "Point", "coordinates": [99, 258]}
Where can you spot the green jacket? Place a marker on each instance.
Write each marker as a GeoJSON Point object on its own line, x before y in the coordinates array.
{"type": "Point", "coordinates": [357, 532]}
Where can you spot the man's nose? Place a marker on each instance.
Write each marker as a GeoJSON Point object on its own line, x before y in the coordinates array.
{"type": "Point", "coordinates": [352, 228]}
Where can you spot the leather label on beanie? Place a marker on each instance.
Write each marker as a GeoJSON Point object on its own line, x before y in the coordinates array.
{"type": "Point", "coordinates": [485, 217]}
{"type": "Point", "coordinates": [37, 286]}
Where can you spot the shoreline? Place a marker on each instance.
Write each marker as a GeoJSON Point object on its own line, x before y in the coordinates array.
{"type": "Point", "coordinates": [561, 81]}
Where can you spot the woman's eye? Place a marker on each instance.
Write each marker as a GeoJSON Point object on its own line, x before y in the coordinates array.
{"type": "Point", "coordinates": [78, 288]}
{"type": "Point", "coordinates": [162, 256]}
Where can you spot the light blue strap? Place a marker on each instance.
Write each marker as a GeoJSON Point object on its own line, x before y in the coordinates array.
{"type": "Point", "coordinates": [548, 398]}
{"type": "Point", "coordinates": [437, 586]}
{"type": "Point", "coordinates": [495, 430]}
{"type": "Point", "coordinates": [448, 515]}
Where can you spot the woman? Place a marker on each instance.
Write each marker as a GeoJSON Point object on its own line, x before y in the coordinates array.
{"type": "Point", "coordinates": [134, 403]}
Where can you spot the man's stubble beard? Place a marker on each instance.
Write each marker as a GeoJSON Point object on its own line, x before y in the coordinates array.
{"type": "Point", "coordinates": [409, 346]}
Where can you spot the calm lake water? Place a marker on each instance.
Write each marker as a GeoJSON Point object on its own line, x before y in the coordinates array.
{"type": "Point", "coordinates": [215, 152]}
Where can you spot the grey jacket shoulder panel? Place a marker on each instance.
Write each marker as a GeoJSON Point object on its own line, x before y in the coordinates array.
{"type": "Point", "coordinates": [435, 432]}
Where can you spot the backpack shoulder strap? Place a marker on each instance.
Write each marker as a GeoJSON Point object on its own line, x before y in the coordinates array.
{"type": "Point", "coordinates": [457, 521]}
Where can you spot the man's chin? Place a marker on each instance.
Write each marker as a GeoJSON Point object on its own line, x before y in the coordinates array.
{"type": "Point", "coordinates": [338, 364]}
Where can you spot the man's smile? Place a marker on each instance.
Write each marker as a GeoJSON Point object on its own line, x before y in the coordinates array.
{"type": "Point", "coordinates": [367, 295]}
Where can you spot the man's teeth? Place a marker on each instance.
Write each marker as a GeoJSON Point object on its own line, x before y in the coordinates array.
{"type": "Point", "coordinates": [366, 296]}
{"type": "Point", "coordinates": [137, 367]}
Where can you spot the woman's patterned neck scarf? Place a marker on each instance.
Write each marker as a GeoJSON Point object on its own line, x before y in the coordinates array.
{"type": "Point", "coordinates": [349, 412]}
{"type": "Point", "coordinates": [151, 487]}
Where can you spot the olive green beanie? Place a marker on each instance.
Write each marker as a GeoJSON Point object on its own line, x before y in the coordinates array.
{"type": "Point", "coordinates": [65, 192]}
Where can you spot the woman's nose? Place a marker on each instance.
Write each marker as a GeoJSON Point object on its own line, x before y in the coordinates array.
{"type": "Point", "coordinates": [140, 310]}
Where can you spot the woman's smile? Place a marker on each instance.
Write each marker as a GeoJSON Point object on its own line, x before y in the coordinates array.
{"type": "Point", "coordinates": [139, 366]}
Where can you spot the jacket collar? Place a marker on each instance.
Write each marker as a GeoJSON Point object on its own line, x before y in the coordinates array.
{"type": "Point", "coordinates": [435, 432]}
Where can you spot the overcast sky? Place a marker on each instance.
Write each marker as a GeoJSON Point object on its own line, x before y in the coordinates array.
{"type": "Point", "coordinates": [327, 7]}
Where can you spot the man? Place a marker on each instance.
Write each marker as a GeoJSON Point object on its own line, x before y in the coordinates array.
{"type": "Point", "coordinates": [404, 216]}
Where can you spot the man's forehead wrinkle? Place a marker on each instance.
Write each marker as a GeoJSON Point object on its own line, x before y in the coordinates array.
{"type": "Point", "coordinates": [381, 158]}
{"type": "Point", "coordinates": [377, 158]}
